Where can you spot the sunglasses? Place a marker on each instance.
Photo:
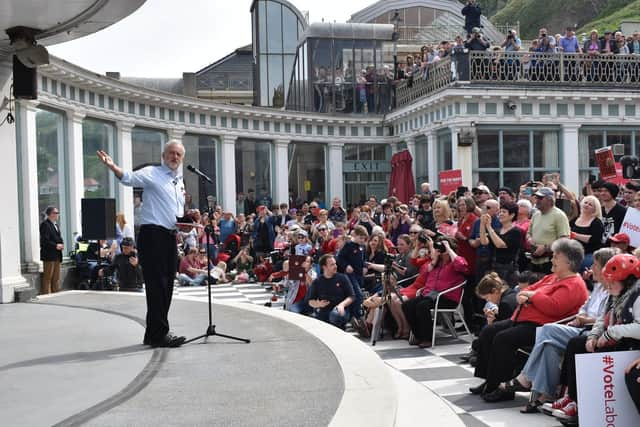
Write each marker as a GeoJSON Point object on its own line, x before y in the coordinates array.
{"type": "Point", "coordinates": [414, 232]}
{"type": "Point", "coordinates": [322, 229]}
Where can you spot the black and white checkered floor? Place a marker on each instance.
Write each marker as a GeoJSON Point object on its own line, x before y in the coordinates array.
{"type": "Point", "coordinates": [439, 369]}
{"type": "Point", "coordinates": [256, 293]}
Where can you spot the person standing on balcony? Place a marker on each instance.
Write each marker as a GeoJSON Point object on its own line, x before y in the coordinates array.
{"type": "Point", "coordinates": [471, 13]}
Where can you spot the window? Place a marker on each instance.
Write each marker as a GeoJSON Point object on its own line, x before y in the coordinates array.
{"type": "Point", "coordinates": [51, 165]}
{"type": "Point", "coordinates": [590, 139]}
{"type": "Point", "coordinates": [200, 150]}
{"type": "Point", "coordinates": [253, 171]}
{"type": "Point", "coordinates": [307, 173]}
{"type": "Point", "coordinates": [98, 180]}
{"type": "Point", "coordinates": [512, 157]}
{"type": "Point", "coordinates": [367, 170]}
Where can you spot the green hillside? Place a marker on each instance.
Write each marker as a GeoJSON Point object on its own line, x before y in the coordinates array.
{"type": "Point", "coordinates": [557, 15]}
{"type": "Point", "coordinates": [612, 19]}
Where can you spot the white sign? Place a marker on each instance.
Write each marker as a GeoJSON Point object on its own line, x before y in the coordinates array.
{"type": "Point", "coordinates": [603, 398]}
{"type": "Point", "coordinates": [631, 226]}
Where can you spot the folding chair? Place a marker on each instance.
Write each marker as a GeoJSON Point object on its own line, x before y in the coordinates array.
{"type": "Point", "coordinates": [457, 310]}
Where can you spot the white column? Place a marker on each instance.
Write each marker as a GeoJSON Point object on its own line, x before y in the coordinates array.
{"type": "Point", "coordinates": [228, 172]}
{"type": "Point", "coordinates": [411, 146]}
{"type": "Point", "coordinates": [336, 176]}
{"type": "Point", "coordinates": [75, 169]}
{"type": "Point", "coordinates": [570, 165]}
{"type": "Point", "coordinates": [455, 161]}
{"type": "Point", "coordinates": [432, 157]}
{"type": "Point", "coordinates": [281, 169]}
{"type": "Point", "coordinates": [11, 213]}
{"type": "Point", "coordinates": [30, 211]}
{"type": "Point", "coordinates": [175, 135]}
{"type": "Point", "coordinates": [394, 147]}
{"type": "Point", "coordinates": [125, 161]}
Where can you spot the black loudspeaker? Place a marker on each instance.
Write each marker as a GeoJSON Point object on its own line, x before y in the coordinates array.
{"type": "Point", "coordinates": [98, 219]}
{"type": "Point", "coordinates": [25, 80]}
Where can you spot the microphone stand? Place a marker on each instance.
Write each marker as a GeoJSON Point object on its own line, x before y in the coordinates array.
{"type": "Point", "coordinates": [211, 328]}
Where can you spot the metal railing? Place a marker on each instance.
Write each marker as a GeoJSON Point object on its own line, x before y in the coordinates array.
{"type": "Point", "coordinates": [433, 78]}
{"type": "Point", "coordinates": [523, 68]}
{"type": "Point", "coordinates": [570, 69]}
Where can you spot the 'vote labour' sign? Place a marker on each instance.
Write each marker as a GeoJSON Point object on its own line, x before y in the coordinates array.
{"type": "Point", "coordinates": [603, 398]}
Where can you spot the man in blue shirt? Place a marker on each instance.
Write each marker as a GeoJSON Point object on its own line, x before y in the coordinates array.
{"type": "Point", "coordinates": [163, 203]}
{"type": "Point", "coordinates": [569, 44]}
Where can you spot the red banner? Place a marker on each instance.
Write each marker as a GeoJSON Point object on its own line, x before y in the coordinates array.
{"type": "Point", "coordinates": [450, 180]}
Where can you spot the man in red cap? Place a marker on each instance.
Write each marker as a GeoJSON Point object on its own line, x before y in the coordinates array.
{"type": "Point", "coordinates": [621, 241]}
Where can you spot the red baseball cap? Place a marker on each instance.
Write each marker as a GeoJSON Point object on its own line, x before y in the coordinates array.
{"type": "Point", "coordinates": [621, 238]}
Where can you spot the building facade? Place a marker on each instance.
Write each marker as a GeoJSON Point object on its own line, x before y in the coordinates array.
{"type": "Point", "coordinates": [523, 129]}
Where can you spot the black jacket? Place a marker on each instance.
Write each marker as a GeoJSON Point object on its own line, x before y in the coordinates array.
{"type": "Point", "coordinates": [472, 15]}
{"type": "Point", "coordinates": [129, 277]}
{"type": "Point", "coordinates": [49, 238]}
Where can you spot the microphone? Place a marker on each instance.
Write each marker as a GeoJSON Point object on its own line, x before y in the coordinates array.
{"type": "Point", "coordinates": [199, 173]}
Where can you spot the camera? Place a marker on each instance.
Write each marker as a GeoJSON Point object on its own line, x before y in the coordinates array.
{"type": "Point", "coordinates": [276, 257]}
{"type": "Point", "coordinates": [389, 259]}
{"type": "Point", "coordinates": [423, 237]}
{"type": "Point", "coordinates": [438, 246]}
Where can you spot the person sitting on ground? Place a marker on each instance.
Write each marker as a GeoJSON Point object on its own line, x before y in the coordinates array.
{"type": "Point", "coordinates": [125, 265]}
{"type": "Point", "coordinates": [243, 263]}
{"type": "Point", "coordinates": [193, 269]}
{"type": "Point", "coordinates": [541, 374]}
{"type": "Point", "coordinates": [618, 329]}
{"type": "Point", "coordinates": [296, 300]}
{"type": "Point", "coordinates": [331, 294]}
{"type": "Point", "coordinates": [445, 270]}
{"type": "Point", "coordinates": [556, 296]}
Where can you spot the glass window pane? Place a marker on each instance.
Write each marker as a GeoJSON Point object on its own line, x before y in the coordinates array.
{"type": "Point", "coordinates": [264, 81]}
{"type": "Point", "coordinates": [546, 149]}
{"type": "Point", "coordinates": [262, 26]}
{"type": "Point", "coordinates": [381, 152]}
{"type": "Point", "coordinates": [350, 152]}
{"type": "Point", "coordinates": [200, 150]}
{"type": "Point", "coordinates": [445, 160]}
{"type": "Point", "coordinates": [322, 74]}
{"type": "Point", "coordinates": [490, 179]}
{"type": "Point", "coordinates": [411, 16]}
{"type": "Point", "coordinates": [97, 135]}
{"type": "Point", "coordinates": [49, 139]}
{"type": "Point", "coordinates": [252, 167]}
{"type": "Point", "coordinates": [427, 15]}
{"type": "Point", "coordinates": [595, 142]}
{"type": "Point", "coordinates": [515, 149]}
{"type": "Point", "coordinates": [515, 179]}
{"type": "Point", "coordinates": [276, 90]}
{"type": "Point", "coordinates": [620, 137]}
{"type": "Point", "coordinates": [307, 171]}
{"type": "Point", "coordinates": [274, 27]}
{"type": "Point", "coordinates": [289, 30]}
{"type": "Point", "coordinates": [146, 145]}
{"type": "Point", "coordinates": [287, 71]}
{"type": "Point", "coordinates": [488, 150]}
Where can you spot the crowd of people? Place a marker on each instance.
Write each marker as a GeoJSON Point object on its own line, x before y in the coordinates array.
{"type": "Point", "coordinates": [539, 256]}
{"type": "Point", "coordinates": [510, 59]}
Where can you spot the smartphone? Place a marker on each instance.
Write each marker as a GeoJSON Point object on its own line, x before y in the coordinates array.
{"type": "Point", "coordinates": [592, 178]}
{"type": "Point", "coordinates": [528, 191]}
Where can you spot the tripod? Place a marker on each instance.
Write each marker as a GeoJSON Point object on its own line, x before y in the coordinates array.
{"type": "Point", "coordinates": [387, 290]}
{"type": "Point", "coordinates": [211, 329]}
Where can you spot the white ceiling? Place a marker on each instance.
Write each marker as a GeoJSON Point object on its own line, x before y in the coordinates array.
{"type": "Point", "coordinates": [58, 20]}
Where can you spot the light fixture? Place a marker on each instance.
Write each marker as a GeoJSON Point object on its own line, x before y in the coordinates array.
{"type": "Point", "coordinates": [27, 50]}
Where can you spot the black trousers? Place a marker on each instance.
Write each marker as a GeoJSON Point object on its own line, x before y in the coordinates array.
{"type": "Point", "coordinates": [158, 257]}
{"type": "Point", "coordinates": [634, 386]}
{"type": "Point", "coordinates": [497, 346]}
{"type": "Point", "coordinates": [418, 314]}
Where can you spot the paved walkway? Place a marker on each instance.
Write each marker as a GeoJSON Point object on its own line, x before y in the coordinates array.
{"type": "Point", "coordinates": [77, 358]}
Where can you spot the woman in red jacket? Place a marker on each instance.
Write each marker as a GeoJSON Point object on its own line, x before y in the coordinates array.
{"type": "Point", "coordinates": [445, 270]}
{"type": "Point", "coordinates": [555, 297]}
